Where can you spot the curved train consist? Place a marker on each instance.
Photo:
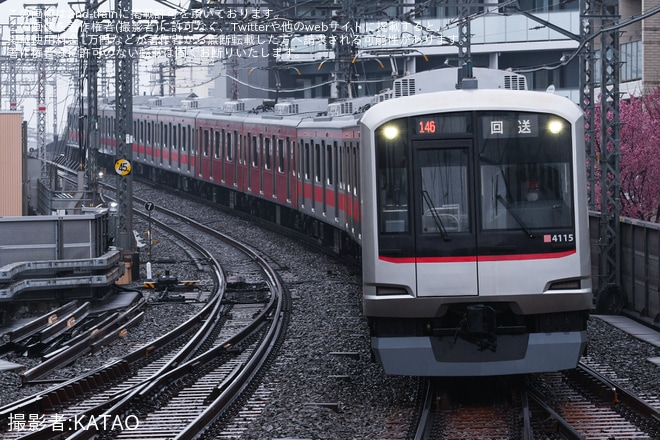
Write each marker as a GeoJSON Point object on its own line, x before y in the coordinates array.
{"type": "Point", "coordinates": [469, 206]}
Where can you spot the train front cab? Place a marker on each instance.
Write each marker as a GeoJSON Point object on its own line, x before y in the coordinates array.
{"type": "Point", "coordinates": [479, 260]}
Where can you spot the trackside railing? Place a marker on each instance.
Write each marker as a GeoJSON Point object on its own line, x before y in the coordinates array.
{"type": "Point", "coordinates": [640, 266]}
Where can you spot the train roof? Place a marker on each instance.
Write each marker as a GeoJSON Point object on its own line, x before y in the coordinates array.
{"type": "Point", "coordinates": [472, 99]}
{"type": "Point", "coordinates": [318, 110]}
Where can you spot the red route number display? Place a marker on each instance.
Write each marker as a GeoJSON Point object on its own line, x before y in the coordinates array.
{"type": "Point", "coordinates": [426, 126]}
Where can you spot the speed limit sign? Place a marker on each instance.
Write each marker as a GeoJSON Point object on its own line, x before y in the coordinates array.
{"type": "Point", "coordinates": [123, 167]}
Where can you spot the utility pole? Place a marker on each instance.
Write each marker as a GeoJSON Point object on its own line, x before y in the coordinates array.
{"type": "Point", "coordinates": [40, 44]}
{"type": "Point", "coordinates": [464, 37]}
{"type": "Point", "coordinates": [124, 124]}
{"type": "Point", "coordinates": [54, 85]}
{"type": "Point", "coordinates": [92, 45]}
{"type": "Point", "coordinates": [587, 85]}
{"type": "Point", "coordinates": [344, 51]}
{"type": "Point", "coordinates": [13, 26]}
{"type": "Point", "coordinates": [171, 72]}
{"type": "Point", "coordinates": [609, 295]}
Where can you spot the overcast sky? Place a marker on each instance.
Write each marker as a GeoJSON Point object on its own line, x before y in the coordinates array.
{"type": "Point", "coordinates": [60, 21]}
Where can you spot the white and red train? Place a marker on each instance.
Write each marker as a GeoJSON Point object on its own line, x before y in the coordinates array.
{"type": "Point", "coordinates": [469, 207]}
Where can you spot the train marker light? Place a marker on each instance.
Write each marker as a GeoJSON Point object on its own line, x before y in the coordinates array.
{"type": "Point", "coordinates": [555, 126]}
{"type": "Point", "coordinates": [390, 132]}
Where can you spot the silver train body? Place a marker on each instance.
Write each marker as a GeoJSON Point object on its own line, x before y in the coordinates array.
{"type": "Point", "coordinates": [474, 233]}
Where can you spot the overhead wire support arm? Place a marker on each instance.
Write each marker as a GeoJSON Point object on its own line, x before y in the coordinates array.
{"type": "Point", "coordinates": [516, 9]}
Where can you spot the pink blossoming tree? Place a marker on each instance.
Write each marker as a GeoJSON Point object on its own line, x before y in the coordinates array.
{"type": "Point", "coordinates": [639, 140]}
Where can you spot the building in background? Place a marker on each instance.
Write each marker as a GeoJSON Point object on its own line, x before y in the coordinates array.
{"type": "Point", "coordinates": [538, 38]}
{"type": "Point", "coordinates": [13, 159]}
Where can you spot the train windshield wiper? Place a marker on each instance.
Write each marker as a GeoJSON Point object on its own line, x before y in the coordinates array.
{"type": "Point", "coordinates": [436, 217]}
{"type": "Point", "coordinates": [515, 216]}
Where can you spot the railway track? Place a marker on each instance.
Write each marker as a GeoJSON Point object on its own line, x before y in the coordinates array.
{"type": "Point", "coordinates": [468, 409]}
{"type": "Point", "coordinates": [579, 404]}
{"type": "Point", "coordinates": [232, 339]}
{"type": "Point", "coordinates": [585, 404]}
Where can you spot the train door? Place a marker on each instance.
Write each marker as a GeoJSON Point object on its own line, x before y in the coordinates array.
{"type": "Point", "coordinates": [183, 147]}
{"type": "Point", "coordinates": [166, 143]}
{"type": "Point", "coordinates": [445, 239]}
{"type": "Point", "coordinates": [348, 169]}
{"type": "Point", "coordinates": [335, 177]}
{"type": "Point", "coordinates": [274, 164]}
{"type": "Point", "coordinates": [216, 162]}
{"type": "Point", "coordinates": [290, 168]}
{"type": "Point", "coordinates": [323, 176]}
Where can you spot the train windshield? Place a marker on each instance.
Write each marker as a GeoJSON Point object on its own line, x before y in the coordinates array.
{"type": "Point", "coordinates": [525, 171]}
{"type": "Point", "coordinates": [493, 172]}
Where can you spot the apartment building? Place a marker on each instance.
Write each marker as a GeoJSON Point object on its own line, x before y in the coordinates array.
{"type": "Point", "coordinates": [538, 38]}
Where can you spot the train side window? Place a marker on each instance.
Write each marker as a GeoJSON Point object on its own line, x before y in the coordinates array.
{"type": "Point", "coordinates": [307, 160]}
{"type": "Point", "coordinates": [229, 149]}
{"type": "Point", "coordinates": [347, 165]}
{"type": "Point", "coordinates": [175, 140]}
{"type": "Point", "coordinates": [184, 138]}
{"type": "Point", "coordinates": [240, 154]}
{"type": "Point", "coordinates": [280, 155]}
{"type": "Point", "coordinates": [255, 152]}
{"type": "Point", "coordinates": [237, 146]}
{"type": "Point", "coordinates": [267, 153]}
{"type": "Point", "coordinates": [225, 145]}
{"type": "Point", "coordinates": [166, 137]}
{"type": "Point", "coordinates": [242, 146]}
{"type": "Point", "coordinates": [356, 169]}
{"type": "Point", "coordinates": [317, 162]}
{"type": "Point", "coordinates": [206, 143]}
{"type": "Point", "coordinates": [192, 143]}
{"type": "Point", "coordinates": [328, 164]}
{"type": "Point", "coordinates": [292, 156]}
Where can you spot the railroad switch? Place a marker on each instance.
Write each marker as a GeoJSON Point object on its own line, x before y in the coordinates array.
{"type": "Point", "coordinates": [170, 283]}
{"type": "Point", "coordinates": [167, 285]}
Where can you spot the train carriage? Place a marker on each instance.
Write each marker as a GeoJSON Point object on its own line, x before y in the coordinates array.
{"type": "Point", "coordinates": [278, 157]}
{"type": "Point", "coordinates": [327, 189]}
{"type": "Point", "coordinates": [475, 237]}
{"type": "Point", "coordinates": [230, 129]}
{"type": "Point", "coordinates": [469, 206]}
{"type": "Point", "coordinates": [270, 137]}
{"type": "Point", "coordinates": [170, 140]}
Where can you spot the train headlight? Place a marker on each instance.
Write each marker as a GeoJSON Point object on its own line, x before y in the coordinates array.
{"type": "Point", "coordinates": [555, 126]}
{"type": "Point", "coordinates": [391, 132]}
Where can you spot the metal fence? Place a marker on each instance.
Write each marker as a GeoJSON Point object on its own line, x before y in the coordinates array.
{"type": "Point", "coordinates": [640, 266]}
